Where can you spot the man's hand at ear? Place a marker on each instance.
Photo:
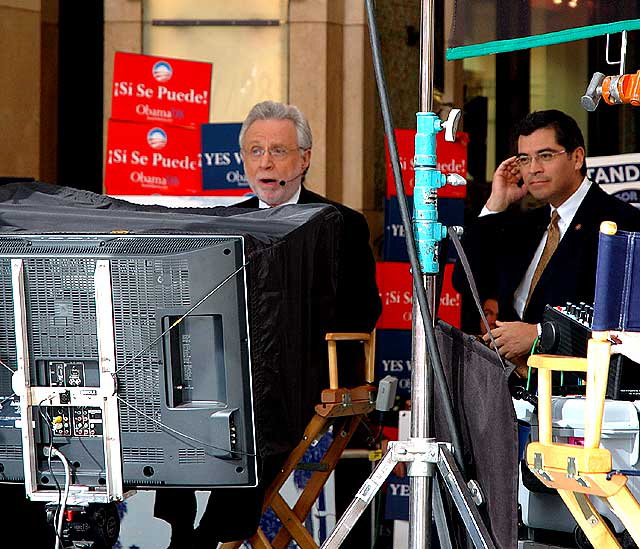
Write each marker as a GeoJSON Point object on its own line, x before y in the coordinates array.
{"type": "Point", "coordinates": [513, 339]}
{"type": "Point", "coordinates": [504, 187]}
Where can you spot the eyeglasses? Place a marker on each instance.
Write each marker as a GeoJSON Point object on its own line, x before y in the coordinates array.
{"type": "Point", "coordinates": [543, 157]}
{"type": "Point", "coordinates": [276, 152]}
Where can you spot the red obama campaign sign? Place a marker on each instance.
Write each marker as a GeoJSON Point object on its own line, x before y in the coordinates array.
{"type": "Point", "coordinates": [452, 158]}
{"type": "Point", "coordinates": [159, 89]}
{"type": "Point", "coordinates": [145, 158]}
{"type": "Point", "coordinates": [396, 291]}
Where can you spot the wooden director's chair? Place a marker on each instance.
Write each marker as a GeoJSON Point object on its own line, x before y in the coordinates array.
{"type": "Point", "coordinates": [577, 472]}
{"type": "Point", "coordinates": [342, 408]}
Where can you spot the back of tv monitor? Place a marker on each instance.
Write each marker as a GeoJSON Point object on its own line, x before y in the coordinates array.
{"type": "Point", "coordinates": [179, 325]}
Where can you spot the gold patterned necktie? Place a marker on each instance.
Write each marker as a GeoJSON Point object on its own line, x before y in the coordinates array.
{"type": "Point", "coordinates": [553, 237]}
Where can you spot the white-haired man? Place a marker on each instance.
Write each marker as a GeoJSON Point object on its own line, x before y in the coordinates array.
{"type": "Point", "coordinates": [276, 141]}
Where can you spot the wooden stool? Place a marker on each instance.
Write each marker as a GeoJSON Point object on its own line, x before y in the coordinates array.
{"type": "Point", "coordinates": [340, 407]}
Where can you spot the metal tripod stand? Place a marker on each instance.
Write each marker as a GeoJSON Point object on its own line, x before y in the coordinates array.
{"type": "Point", "coordinates": [424, 455]}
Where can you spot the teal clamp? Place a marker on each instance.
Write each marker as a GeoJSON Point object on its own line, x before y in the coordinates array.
{"type": "Point", "coordinates": [428, 231]}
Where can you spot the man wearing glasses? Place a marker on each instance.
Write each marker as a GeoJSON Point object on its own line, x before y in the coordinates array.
{"type": "Point", "coordinates": [526, 260]}
{"type": "Point", "coordinates": [275, 142]}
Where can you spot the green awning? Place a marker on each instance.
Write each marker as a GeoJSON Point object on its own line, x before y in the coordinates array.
{"type": "Point", "coordinates": [569, 35]}
{"type": "Point", "coordinates": [485, 27]}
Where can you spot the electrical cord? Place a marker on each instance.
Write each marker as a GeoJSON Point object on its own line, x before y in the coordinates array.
{"type": "Point", "coordinates": [7, 367]}
{"type": "Point", "coordinates": [52, 451]}
{"type": "Point", "coordinates": [67, 485]}
{"type": "Point", "coordinates": [419, 290]}
{"type": "Point", "coordinates": [48, 422]}
{"type": "Point", "coordinates": [179, 433]}
{"type": "Point", "coordinates": [150, 345]}
{"type": "Point", "coordinates": [180, 319]}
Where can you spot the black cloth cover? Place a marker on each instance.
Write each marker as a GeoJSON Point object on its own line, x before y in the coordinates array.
{"type": "Point", "coordinates": [292, 270]}
{"type": "Point", "coordinates": [487, 424]}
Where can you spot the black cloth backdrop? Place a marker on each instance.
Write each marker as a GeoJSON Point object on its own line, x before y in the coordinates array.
{"type": "Point", "coordinates": [488, 427]}
{"type": "Point", "coordinates": [292, 271]}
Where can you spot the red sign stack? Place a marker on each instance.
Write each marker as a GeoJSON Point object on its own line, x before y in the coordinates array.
{"type": "Point", "coordinates": [153, 143]}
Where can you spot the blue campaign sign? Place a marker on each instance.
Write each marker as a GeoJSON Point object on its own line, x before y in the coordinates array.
{"type": "Point", "coordinates": [397, 500]}
{"type": "Point", "coordinates": [222, 167]}
{"type": "Point", "coordinates": [395, 244]}
{"type": "Point", "coordinates": [393, 357]}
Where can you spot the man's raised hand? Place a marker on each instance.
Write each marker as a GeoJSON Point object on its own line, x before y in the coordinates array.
{"type": "Point", "coordinates": [504, 187]}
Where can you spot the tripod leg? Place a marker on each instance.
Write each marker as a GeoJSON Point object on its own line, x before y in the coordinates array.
{"type": "Point", "coordinates": [364, 496]}
{"type": "Point", "coordinates": [469, 513]}
{"type": "Point", "coordinates": [440, 517]}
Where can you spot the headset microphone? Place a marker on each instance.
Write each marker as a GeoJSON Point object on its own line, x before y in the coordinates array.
{"type": "Point", "coordinates": [283, 182]}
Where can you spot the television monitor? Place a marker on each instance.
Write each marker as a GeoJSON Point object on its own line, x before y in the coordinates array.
{"type": "Point", "coordinates": [182, 357]}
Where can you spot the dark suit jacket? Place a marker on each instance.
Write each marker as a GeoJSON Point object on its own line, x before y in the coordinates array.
{"type": "Point", "coordinates": [358, 301]}
{"type": "Point", "coordinates": [501, 246]}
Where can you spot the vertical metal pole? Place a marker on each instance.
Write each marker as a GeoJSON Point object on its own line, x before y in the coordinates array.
{"type": "Point", "coordinates": [426, 57]}
{"type": "Point", "coordinates": [421, 375]}
{"type": "Point", "coordinates": [421, 383]}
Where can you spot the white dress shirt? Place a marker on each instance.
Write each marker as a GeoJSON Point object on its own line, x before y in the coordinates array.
{"type": "Point", "coordinates": [566, 212]}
